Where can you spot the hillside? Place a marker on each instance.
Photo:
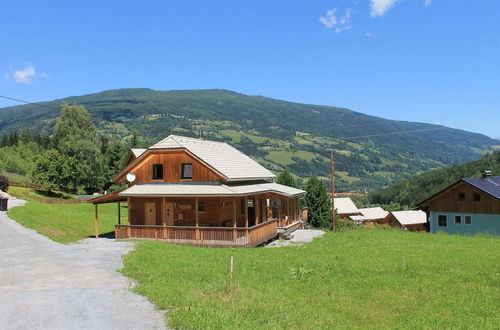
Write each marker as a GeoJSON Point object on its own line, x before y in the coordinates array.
{"type": "Point", "coordinates": [370, 152]}
{"type": "Point", "coordinates": [416, 189]}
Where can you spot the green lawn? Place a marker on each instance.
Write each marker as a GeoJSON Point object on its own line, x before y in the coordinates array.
{"type": "Point", "coordinates": [356, 279]}
{"type": "Point", "coordinates": [64, 223]}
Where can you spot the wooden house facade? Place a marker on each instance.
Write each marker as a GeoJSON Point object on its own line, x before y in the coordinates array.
{"type": "Point", "coordinates": [192, 191]}
{"type": "Point", "coordinates": [470, 206]}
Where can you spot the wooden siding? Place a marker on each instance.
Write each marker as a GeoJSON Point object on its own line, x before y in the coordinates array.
{"type": "Point", "coordinates": [172, 161]}
{"type": "Point", "coordinates": [448, 201]}
{"type": "Point", "coordinates": [218, 211]}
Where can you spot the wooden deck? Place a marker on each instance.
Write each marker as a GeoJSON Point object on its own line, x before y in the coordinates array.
{"type": "Point", "coordinates": [202, 236]}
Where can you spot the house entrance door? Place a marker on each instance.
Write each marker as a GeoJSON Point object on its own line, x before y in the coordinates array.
{"type": "Point", "coordinates": [150, 214]}
{"type": "Point", "coordinates": [169, 213]}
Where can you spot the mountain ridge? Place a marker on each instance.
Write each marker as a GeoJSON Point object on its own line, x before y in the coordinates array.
{"type": "Point", "coordinates": [370, 151]}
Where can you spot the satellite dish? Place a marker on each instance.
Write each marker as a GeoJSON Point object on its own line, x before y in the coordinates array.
{"type": "Point", "coordinates": [131, 177]}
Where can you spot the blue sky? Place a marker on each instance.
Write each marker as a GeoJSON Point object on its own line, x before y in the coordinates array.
{"type": "Point", "coordinates": [419, 60]}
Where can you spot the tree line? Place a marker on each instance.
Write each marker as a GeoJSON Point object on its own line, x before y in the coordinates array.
{"type": "Point", "coordinates": [74, 159]}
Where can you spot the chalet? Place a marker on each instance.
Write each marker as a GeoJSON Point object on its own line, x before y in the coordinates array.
{"type": "Point", "coordinates": [345, 207]}
{"type": "Point", "coordinates": [409, 220]}
{"type": "Point", "coordinates": [370, 215]}
{"type": "Point", "coordinates": [469, 206]}
{"type": "Point", "coordinates": [192, 191]}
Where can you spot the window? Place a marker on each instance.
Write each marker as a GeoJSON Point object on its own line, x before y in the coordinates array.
{"type": "Point", "coordinates": [468, 220]}
{"type": "Point", "coordinates": [477, 197]}
{"type": "Point", "coordinates": [458, 219]}
{"type": "Point", "coordinates": [187, 171]}
{"type": "Point", "coordinates": [442, 220]}
{"type": "Point", "coordinates": [461, 197]}
{"type": "Point", "coordinates": [157, 171]}
{"type": "Point", "coordinates": [201, 207]}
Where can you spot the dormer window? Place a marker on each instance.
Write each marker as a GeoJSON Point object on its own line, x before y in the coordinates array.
{"type": "Point", "coordinates": [187, 171]}
{"type": "Point", "coordinates": [157, 171]}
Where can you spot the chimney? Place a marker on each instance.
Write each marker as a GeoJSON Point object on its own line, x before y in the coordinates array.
{"type": "Point", "coordinates": [486, 173]}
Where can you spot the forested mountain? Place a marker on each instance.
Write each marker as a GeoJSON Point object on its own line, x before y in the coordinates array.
{"type": "Point", "coordinates": [412, 191]}
{"type": "Point", "coordinates": [370, 152]}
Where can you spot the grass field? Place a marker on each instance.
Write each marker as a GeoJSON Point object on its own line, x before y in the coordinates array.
{"type": "Point", "coordinates": [64, 223]}
{"type": "Point", "coordinates": [356, 279]}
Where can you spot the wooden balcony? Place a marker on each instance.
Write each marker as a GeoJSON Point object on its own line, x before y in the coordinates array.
{"type": "Point", "coordinates": [202, 236]}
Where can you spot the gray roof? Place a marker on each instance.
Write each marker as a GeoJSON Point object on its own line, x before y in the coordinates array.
{"type": "Point", "coordinates": [137, 152]}
{"type": "Point", "coordinates": [344, 205]}
{"type": "Point", "coordinates": [489, 184]}
{"type": "Point", "coordinates": [374, 212]}
{"type": "Point", "coordinates": [208, 189]}
{"type": "Point", "coordinates": [230, 162]}
{"type": "Point", "coordinates": [410, 217]}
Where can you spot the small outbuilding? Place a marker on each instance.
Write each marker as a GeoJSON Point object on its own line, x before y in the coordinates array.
{"type": "Point", "coordinates": [409, 220]}
{"type": "Point", "coordinates": [345, 207]}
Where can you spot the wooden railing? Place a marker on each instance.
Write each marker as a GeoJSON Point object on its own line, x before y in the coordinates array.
{"type": "Point", "coordinates": [263, 232]}
{"type": "Point", "coordinates": [290, 228]}
{"type": "Point", "coordinates": [204, 236]}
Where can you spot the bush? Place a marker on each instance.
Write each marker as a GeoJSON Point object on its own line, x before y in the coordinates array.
{"type": "Point", "coordinates": [345, 225]}
{"type": "Point", "coordinates": [4, 183]}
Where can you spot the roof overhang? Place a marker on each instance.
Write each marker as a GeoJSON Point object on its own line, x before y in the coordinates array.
{"type": "Point", "coordinates": [108, 198]}
{"type": "Point", "coordinates": [208, 190]}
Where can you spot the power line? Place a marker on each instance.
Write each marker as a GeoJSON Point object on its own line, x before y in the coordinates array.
{"type": "Point", "coordinates": [392, 133]}
{"type": "Point", "coordinates": [27, 102]}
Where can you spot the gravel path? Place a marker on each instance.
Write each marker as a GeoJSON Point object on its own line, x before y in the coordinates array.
{"type": "Point", "coordinates": [300, 237]}
{"type": "Point", "coordinates": [47, 285]}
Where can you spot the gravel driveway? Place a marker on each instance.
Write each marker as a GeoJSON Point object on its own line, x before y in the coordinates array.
{"type": "Point", "coordinates": [47, 285]}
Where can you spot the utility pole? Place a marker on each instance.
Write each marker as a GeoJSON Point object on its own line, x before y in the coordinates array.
{"type": "Point", "coordinates": [332, 186]}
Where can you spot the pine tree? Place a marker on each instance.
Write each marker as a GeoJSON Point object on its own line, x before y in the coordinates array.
{"type": "Point", "coordinates": [318, 203]}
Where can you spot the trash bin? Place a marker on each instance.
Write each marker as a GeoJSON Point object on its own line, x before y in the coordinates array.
{"type": "Point", "coordinates": [3, 203]}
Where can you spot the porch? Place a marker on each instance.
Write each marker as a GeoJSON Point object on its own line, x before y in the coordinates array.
{"type": "Point", "coordinates": [244, 221]}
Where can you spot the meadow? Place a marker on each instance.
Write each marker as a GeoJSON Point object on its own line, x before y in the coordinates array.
{"type": "Point", "coordinates": [355, 279]}
{"type": "Point", "coordinates": [63, 223]}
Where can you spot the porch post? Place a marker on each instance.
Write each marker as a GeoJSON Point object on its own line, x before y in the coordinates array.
{"type": "Point", "coordinates": [163, 216]}
{"type": "Point", "coordinates": [256, 207]}
{"type": "Point", "coordinates": [96, 223]}
{"type": "Point", "coordinates": [234, 219]}
{"type": "Point", "coordinates": [119, 214]}
{"type": "Point", "coordinates": [129, 205]}
{"type": "Point", "coordinates": [245, 204]}
{"type": "Point", "coordinates": [197, 218]}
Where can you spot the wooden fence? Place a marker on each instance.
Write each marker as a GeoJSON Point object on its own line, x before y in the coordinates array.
{"type": "Point", "coordinates": [202, 236]}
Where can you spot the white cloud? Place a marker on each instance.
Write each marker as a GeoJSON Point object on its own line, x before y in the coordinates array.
{"type": "Point", "coordinates": [368, 34]}
{"type": "Point", "coordinates": [380, 7]}
{"type": "Point", "coordinates": [26, 75]}
{"type": "Point", "coordinates": [427, 3]}
{"type": "Point", "coordinates": [340, 23]}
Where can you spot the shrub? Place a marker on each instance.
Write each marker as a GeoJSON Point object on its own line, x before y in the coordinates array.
{"type": "Point", "coordinates": [345, 225]}
{"type": "Point", "coordinates": [4, 183]}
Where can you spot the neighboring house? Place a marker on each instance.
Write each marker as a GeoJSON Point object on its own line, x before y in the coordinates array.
{"type": "Point", "coordinates": [410, 220]}
{"type": "Point", "coordinates": [370, 214]}
{"type": "Point", "coordinates": [192, 191]}
{"type": "Point", "coordinates": [345, 207]}
{"type": "Point", "coordinates": [469, 206]}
